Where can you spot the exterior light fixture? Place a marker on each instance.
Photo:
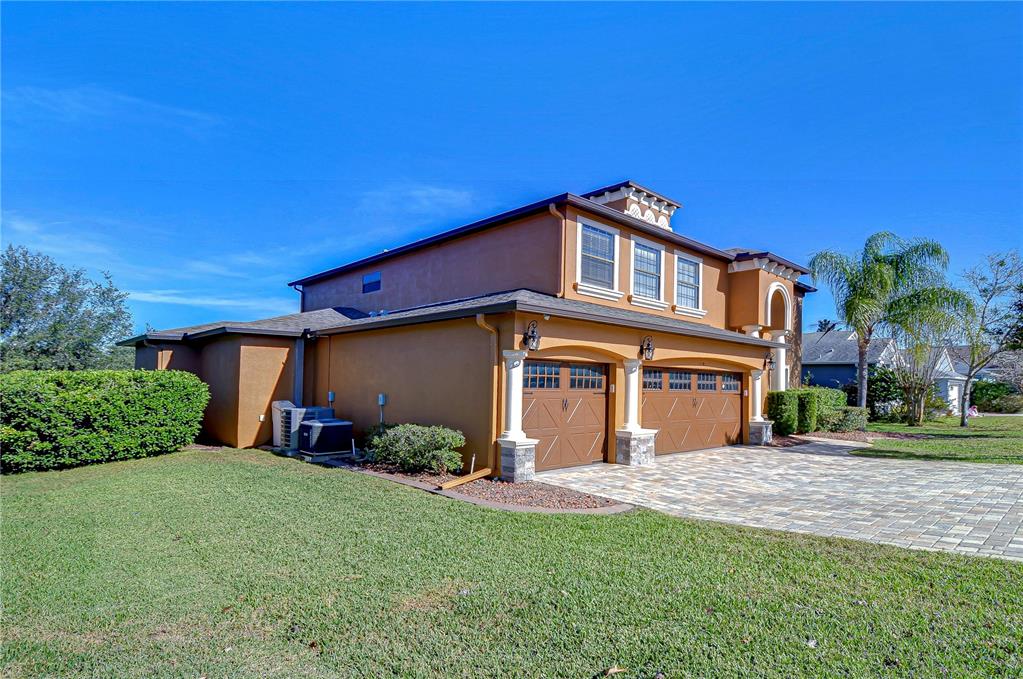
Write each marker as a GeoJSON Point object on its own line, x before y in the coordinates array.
{"type": "Point", "coordinates": [768, 361]}
{"type": "Point", "coordinates": [646, 347]}
{"type": "Point", "coordinates": [531, 338]}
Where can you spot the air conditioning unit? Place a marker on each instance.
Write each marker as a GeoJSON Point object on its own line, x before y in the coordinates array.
{"type": "Point", "coordinates": [287, 417]}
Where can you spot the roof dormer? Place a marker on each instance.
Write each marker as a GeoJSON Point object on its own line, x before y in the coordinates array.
{"type": "Point", "coordinates": [636, 201]}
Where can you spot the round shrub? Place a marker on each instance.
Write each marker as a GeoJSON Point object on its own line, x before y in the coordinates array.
{"type": "Point", "coordinates": [52, 419]}
{"type": "Point", "coordinates": [416, 448]}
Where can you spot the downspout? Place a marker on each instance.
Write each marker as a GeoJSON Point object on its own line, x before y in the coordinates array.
{"type": "Point", "coordinates": [495, 388]}
{"type": "Point", "coordinates": [298, 383]}
{"type": "Point", "coordinates": [561, 245]}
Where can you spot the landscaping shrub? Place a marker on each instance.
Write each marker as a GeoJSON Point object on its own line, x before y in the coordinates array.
{"type": "Point", "coordinates": [995, 397]}
{"type": "Point", "coordinates": [51, 419]}
{"type": "Point", "coordinates": [849, 418]}
{"type": "Point", "coordinates": [807, 418]}
{"type": "Point", "coordinates": [373, 432]}
{"type": "Point", "coordinates": [884, 395]}
{"type": "Point", "coordinates": [783, 410]}
{"type": "Point", "coordinates": [415, 448]}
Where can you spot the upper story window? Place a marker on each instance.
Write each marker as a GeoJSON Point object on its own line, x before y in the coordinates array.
{"type": "Point", "coordinates": [597, 263]}
{"type": "Point", "coordinates": [647, 273]}
{"type": "Point", "coordinates": [688, 285]}
{"type": "Point", "coordinates": [371, 282]}
{"type": "Point", "coordinates": [598, 258]}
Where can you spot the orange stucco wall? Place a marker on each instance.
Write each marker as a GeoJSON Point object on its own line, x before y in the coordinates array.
{"type": "Point", "coordinates": [266, 375]}
{"type": "Point", "coordinates": [436, 373]}
{"type": "Point", "coordinates": [219, 361]}
{"type": "Point", "coordinates": [716, 280]}
{"type": "Point", "coordinates": [521, 254]}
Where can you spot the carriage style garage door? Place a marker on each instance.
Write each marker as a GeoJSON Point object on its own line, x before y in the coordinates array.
{"type": "Point", "coordinates": [691, 409]}
{"type": "Point", "coordinates": [564, 405]}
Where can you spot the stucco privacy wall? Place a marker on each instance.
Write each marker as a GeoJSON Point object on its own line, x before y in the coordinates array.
{"type": "Point", "coordinates": [520, 254]}
{"type": "Point", "coordinates": [715, 272]}
{"type": "Point", "coordinates": [435, 373]}
{"type": "Point", "coordinates": [167, 357]}
{"type": "Point", "coordinates": [219, 368]}
{"type": "Point", "coordinates": [266, 375]}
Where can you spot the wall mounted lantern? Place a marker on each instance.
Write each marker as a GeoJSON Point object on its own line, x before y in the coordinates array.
{"type": "Point", "coordinates": [531, 338]}
{"type": "Point", "coordinates": [646, 347]}
{"type": "Point", "coordinates": [769, 361]}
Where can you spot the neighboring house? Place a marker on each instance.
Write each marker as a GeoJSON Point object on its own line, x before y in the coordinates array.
{"type": "Point", "coordinates": [577, 329]}
{"type": "Point", "coordinates": [830, 360]}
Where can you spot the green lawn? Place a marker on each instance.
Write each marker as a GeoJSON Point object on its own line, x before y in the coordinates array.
{"type": "Point", "coordinates": [987, 439]}
{"type": "Point", "coordinates": [239, 563]}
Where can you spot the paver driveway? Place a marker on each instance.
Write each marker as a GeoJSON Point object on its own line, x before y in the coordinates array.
{"type": "Point", "coordinates": [819, 488]}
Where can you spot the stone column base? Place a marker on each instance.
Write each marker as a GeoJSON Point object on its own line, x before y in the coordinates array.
{"type": "Point", "coordinates": [635, 447]}
{"type": "Point", "coordinates": [518, 459]}
{"type": "Point", "coordinates": [760, 433]}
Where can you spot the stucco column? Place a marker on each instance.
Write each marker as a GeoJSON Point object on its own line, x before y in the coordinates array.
{"type": "Point", "coordinates": [518, 453]}
{"type": "Point", "coordinates": [633, 366]}
{"type": "Point", "coordinates": [634, 445]}
{"type": "Point", "coordinates": [779, 375]}
{"type": "Point", "coordinates": [513, 361]}
{"type": "Point", "coordinates": [757, 394]}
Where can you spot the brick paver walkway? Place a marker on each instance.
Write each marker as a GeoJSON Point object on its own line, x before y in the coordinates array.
{"type": "Point", "coordinates": [819, 488]}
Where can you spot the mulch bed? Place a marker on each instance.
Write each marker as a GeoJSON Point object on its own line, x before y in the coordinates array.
{"type": "Point", "coordinates": [864, 436]}
{"type": "Point", "coordinates": [786, 442]}
{"type": "Point", "coordinates": [530, 494]}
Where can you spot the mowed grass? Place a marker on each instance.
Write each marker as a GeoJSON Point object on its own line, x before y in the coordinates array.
{"type": "Point", "coordinates": [987, 439]}
{"type": "Point", "coordinates": [237, 563]}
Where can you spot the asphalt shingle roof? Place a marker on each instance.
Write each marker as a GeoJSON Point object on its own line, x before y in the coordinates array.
{"type": "Point", "coordinates": [839, 346]}
{"type": "Point", "coordinates": [342, 319]}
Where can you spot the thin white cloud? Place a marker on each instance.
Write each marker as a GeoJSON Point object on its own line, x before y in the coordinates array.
{"type": "Point", "coordinates": [78, 105]}
{"type": "Point", "coordinates": [246, 304]}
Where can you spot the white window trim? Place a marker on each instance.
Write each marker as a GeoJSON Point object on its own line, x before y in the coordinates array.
{"type": "Point", "coordinates": [639, 300]}
{"type": "Point", "coordinates": [698, 312]}
{"type": "Point", "coordinates": [613, 294]}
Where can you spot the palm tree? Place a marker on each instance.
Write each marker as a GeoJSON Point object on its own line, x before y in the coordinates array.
{"type": "Point", "coordinates": [891, 282]}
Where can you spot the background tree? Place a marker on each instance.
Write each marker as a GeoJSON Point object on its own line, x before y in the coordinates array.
{"type": "Point", "coordinates": [995, 325]}
{"type": "Point", "coordinates": [52, 317]}
{"type": "Point", "coordinates": [826, 325]}
{"type": "Point", "coordinates": [880, 286]}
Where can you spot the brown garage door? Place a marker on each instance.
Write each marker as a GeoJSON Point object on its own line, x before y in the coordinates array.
{"type": "Point", "coordinates": [564, 405]}
{"type": "Point", "coordinates": [692, 409]}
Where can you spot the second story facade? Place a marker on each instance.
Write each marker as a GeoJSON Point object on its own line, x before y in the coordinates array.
{"type": "Point", "coordinates": [614, 246]}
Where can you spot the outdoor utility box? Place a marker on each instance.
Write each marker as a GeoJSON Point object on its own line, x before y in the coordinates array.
{"type": "Point", "coordinates": [316, 437]}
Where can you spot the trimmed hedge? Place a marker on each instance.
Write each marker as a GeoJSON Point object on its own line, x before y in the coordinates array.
{"type": "Point", "coordinates": [806, 410]}
{"type": "Point", "coordinates": [783, 410]}
{"type": "Point", "coordinates": [850, 418]}
{"type": "Point", "coordinates": [416, 448]}
{"type": "Point", "coordinates": [53, 419]}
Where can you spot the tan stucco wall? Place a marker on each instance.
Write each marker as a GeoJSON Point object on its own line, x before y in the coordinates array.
{"type": "Point", "coordinates": [220, 370]}
{"type": "Point", "coordinates": [266, 375]}
{"type": "Point", "coordinates": [716, 280]}
{"type": "Point", "coordinates": [167, 356]}
{"type": "Point", "coordinates": [748, 302]}
{"type": "Point", "coordinates": [437, 373]}
{"type": "Point", "coordinates": [521, 254]}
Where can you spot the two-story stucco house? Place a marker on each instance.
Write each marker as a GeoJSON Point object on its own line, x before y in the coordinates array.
{"type": "Point", "coordinates": [577, 329]}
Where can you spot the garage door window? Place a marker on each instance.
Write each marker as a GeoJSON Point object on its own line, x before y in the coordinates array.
{"type": "Point", "coordinates": [680, 380]}
{"type": "Point", "coordinates": [729, 383]}
{"type": "Point", "coordinates": [653, 380]}
{"type": "Point", "coordinates": [541, 376]}
{"type": "Point", "coordinates": [586, 377]}
{"type": "Point", "coordinates": [706, 382]}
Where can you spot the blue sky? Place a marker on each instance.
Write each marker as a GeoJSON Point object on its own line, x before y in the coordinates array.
{"type": "Point", "coordinates": [205, 154]}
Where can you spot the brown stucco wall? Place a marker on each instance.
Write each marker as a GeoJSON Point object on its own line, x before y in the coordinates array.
{"type": "Point", "coordinates": [220, 365]}
{"type": "Point", "coordinates": [521, 254]}
{"type": "Point", "coordinates": [167, 356]}
{"type": "Point", "coordinates": [715, 274]}
{"type": "Point", "coordinates": [266, 375]}
{"type": "Point", "coordinates": [436, 373]}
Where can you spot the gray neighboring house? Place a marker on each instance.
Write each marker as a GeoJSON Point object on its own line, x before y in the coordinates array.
{"type": "Point", "coordinates": [830, 358]}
